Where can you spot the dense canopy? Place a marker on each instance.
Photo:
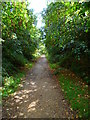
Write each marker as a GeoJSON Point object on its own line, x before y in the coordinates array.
{"type": "Point", "coordinates": [67, 28]}
{"type": "Point", "coordinates": [19, 33]}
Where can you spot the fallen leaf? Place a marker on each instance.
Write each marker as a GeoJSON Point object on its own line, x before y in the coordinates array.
{"type": "Point", "coordinates": [62, 89]}
{"type": "Point", "coordinates": [78, 100]}
{"type": "Point", "coordinates": [71, 109]}
{"type": "Point", "coordinates": [72, 116]}
{"type": "Point", "coordinates": [76, 116]}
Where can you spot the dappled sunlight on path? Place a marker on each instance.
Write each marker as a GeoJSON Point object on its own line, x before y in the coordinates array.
{"type": "Point", "coordinates": [39, 96]}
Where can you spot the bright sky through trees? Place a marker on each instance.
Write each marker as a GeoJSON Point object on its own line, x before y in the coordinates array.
{"type": "Point", "coordinates": [38, 6]}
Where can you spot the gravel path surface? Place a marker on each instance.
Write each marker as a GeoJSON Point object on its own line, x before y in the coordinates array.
{"type": "Point", "coordinates": [39, 96]}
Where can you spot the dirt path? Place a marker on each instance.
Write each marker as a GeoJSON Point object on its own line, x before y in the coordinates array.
{"type": "Point", "coordinates": [39, 97]}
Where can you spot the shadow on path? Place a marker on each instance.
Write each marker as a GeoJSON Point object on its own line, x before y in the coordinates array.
{"type": "Point", "coordinates": [39, 96]}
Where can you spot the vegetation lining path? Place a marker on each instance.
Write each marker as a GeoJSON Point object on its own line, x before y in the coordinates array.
{"type": "Point", "coordinates": [40, 96]}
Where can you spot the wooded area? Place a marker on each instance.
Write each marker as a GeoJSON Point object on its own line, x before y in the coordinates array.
{"type": "Point", "coordinates": [67, 36]}
{"type": "Point", "coordinates": [64, 40]}
{"type": "Point", "coordinates": [20, 41]}
{"type": "Point", "coordinates": [19, 34]}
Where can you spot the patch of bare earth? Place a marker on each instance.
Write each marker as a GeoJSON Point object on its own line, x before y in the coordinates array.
{"type": "Point", "coordinates": [39, 96]}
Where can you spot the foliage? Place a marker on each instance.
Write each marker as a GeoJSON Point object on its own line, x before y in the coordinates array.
{"type": "Point", "coordinates": [74, 89]}
{"type": "Point", "coordinates": [11, 83]}
{"type": "Point", "coordinates": [41, 49]}
{"type": "Point", "coordinates": [76, 94]}
{"type": "Point", "coordinates": [53, 66]}
{"type": "Point", "coordinates": [19, 33]}
{"type": "Point", "coordinates": [66, 35]}
{"type": "Point", "coordinates": [19, 43]}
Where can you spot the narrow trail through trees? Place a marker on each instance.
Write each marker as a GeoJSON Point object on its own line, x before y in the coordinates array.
{"type": "Point", "coordinates": [39, 96]}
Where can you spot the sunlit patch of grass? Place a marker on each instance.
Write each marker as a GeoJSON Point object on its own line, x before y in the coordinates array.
{"type": "Point", "coordinates": [76, 94]}
{"type": "Point", "coordinates": [11, 83]}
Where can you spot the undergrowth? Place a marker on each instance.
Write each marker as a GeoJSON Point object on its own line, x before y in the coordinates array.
{"type": "Point", "coordinates": [76, 94]}
{"type": "Point", "coordinates": [11, 83]}
{"type": "Point", "coordinates": [74, 89]}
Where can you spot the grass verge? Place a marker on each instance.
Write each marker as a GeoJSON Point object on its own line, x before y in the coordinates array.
{"type": "Point", "coordinates": [76, 94]}
{"type": "Point", "coordinates": [11, 83]}
{"type": "Point", "coordinates": [75, 91]}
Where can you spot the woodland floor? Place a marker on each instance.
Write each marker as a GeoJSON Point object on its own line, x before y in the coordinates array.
{"type": "Point", "coordinates": [39, 96]}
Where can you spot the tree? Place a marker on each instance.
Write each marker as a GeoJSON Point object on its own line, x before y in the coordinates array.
{"type": "Point", "coordinates": [67, 34]}
{"type": "Point", "coordinates": [20, 35]}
